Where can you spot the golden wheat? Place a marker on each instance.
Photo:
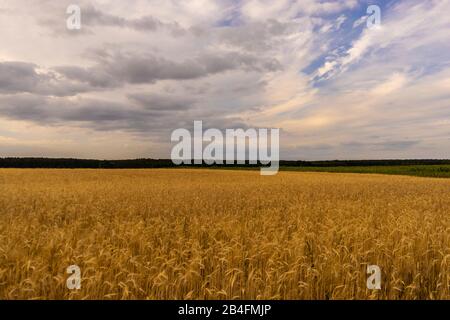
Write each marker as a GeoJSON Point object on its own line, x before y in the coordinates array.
{"type": "Point", "coordinates": [219, 234]}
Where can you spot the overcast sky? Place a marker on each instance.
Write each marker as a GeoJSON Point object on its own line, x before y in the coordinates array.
{"type": "Point", "coordinates": [139, 69]}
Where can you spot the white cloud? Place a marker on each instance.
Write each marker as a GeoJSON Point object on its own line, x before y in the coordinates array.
{"type": "Point", "coordinates": [393, 83]}
{"type": "Point", "coordinates": [340, 21]}
{"type": "Point", "coordinates": [359, 21]}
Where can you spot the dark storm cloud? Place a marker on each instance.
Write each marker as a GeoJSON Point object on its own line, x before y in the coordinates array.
{"type": "Point", "coordinates": [24, 107]}
{"type": "Point", "coordinates": [44, 110]}
{"type": "Point", "coordinates": [30, 93]}
{"type": "Point", "coordinates": [257, 36]}
{"type": "Point", "coordinates": [397, 145]}
{"type": "Point", "coordinates": [18, 77]}
{"type": "Point", "coordinates": [141, 68]}
{"type": "Point", "coordinates": [95, 17]}
{"type": "Point", "coordinates": [387, 145]}
{"type": "Point", "coordinates": [159, 102]}
{"type": "Point", "coordinates": [103, 115]}
{"type": "Point", "coordinates": [95, 77]}
{"type": "Point", "coordinates": [115, 69]}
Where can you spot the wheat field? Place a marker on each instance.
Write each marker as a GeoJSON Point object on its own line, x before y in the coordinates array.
{"type": "Point", "coordinates": [222, 234]}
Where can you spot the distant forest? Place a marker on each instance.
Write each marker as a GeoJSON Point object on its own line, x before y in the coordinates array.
{"type": "Point", "coordinates": [166, 163]}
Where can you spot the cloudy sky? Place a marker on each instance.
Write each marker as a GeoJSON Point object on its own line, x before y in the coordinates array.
{"type": "Point", "coordinates": [139, 69]}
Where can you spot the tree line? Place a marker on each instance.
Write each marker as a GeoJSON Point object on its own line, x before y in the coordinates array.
{"type": "Point", "coordinates": [167, 163]}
